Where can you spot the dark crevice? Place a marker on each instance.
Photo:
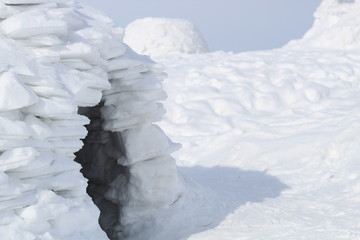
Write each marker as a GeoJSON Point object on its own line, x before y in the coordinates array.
{"type": "Point", "coordinates": [98, 159]}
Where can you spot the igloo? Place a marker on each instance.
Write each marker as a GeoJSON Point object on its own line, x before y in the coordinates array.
{"type": "Point", "coordinates": [71, 90]}
{"type": "Point", "coordinates": [160, 36]}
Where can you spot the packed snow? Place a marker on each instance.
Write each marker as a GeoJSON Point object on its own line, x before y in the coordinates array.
{"type": "Point", "coordinates": [159, 36]}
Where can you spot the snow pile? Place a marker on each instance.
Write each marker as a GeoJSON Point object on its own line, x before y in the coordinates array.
{"type": "Point", "coordinates": [336, 27]}
{"type": "Point", "coordinates": [159, 36]}
{"type": "Point", "coordinates": [59, 61]}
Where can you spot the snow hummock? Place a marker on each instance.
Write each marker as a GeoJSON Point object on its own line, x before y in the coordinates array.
{"type": "Point", "coordinates": [159, 36]}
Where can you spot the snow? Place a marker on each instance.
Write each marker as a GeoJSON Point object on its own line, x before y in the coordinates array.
{"type": "Point", "coordinates": [270, 138]}
{"type": "Point", "coordinates": [335, 27]}
{"type": "Point", "coordinates": [273, 135]}
{"type": "Point", "coordinates": [159, 36]}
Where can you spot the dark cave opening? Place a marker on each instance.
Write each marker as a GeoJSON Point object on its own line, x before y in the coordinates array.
{"type": "Point", "coordinates": [98, 158]}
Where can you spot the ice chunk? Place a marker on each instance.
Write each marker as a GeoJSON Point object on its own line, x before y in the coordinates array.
{"type": "Point", "coordinates": [39, 129]}
{"type": "Point", "coordinates": [153, 182]}
{"type": "Point", "coordinates": [132, 122]}
{"type": "Point", "coordinates": [21, 201]}
{"type": "Point", "coordinates": [73, 131]}
{"type": "Point", "coordinates": [122, 63]}
{"type": "Point", "coordinates": [42, 161]}
{"type": "Point", "coordinates": [5, 11]}
{"type": "Point", "coordinates": [48, 207]}
{"type": "Point", "coordinates": [41, 41]}
{"type": "Point", "coordinates": [51, 108]}
{"type": "Point", "coordinates": [108, 46]}
{"type": "Point", "coordinates": [59, 165]}
{"type": "Point", "coordinates": [17, 157]}
{"type": "Point", "coordinates": [33, 23]}
{"type": "Point", "coordinates": [79, 50]}
{"type": "Point", "coordinates": [10, 86]}
{"type": "Point", "coordinates": [132, 96]}
{"type": "Point", "coordinates": [88, 97]}
{"type": "Point", "coordinates": [30, 1]}
{"type": "Point", "coordinates": [73, 80]}
{"type": "Point", "coordinates": [146, 142]}
{"type": "Point", "coordinates": [124, 112]}
{"type": "Point", "coordinates": [76, 64]}
{"type": "Point", "coordinates": [14, 129]}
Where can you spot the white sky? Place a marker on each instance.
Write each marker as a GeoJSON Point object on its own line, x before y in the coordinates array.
{"type": "Point", "coordinates": [230, 25]}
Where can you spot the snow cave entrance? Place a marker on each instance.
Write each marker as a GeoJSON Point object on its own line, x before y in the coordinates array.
{"type": "Point", "coordinates": [98, 158]}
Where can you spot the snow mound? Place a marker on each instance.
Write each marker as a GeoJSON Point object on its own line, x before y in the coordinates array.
{"type": "Point", "coordinates": [159, 36]}
{"type": "Point", "coordinates": [335, 27]}
{"type": "Point", "coordinates": [63, 66]}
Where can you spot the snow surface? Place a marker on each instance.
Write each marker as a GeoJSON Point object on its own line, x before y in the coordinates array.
{"type": "Point", "coordinates": [159, 36]}
{"type": "Point", "coordinates": [274, 135]}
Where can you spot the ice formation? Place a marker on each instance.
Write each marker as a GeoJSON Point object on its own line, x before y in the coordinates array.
{"type": "Point", "coordinates": [159, 36]}
{"type": "Point", "coordinates": [59, 62]}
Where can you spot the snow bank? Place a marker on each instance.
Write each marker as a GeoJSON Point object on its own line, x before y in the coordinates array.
{"type": "Point", "coordinates": [292, 113]}
{"type": "Point", "coordinates": [60, 61]}
{"type": "Point", "coordinates": [335, 27]}
{"type": "Point", "coordinates": [159, 36]}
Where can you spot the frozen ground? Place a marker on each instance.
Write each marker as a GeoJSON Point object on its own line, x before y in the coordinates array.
{"type": "Point", "coordinates": [274, 134]}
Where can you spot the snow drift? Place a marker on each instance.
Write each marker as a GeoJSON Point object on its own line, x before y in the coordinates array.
{"type": "Point", "coordinates": [159, 36]}
{"type": "Point", "coordinates": [292, 113]}
{"type": "Point", "coordinates": [63, 66]}
{"type": "Point", "coordinates": [336, 27]}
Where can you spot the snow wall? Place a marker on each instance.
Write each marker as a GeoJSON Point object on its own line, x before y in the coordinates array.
{"type": "Point", "coordinates": [63, 66]}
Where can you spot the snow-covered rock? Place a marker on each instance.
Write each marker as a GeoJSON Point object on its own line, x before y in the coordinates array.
{"type": "Point", "coordinates": [160, 36]}
{"type": "Point", "coordinates": [59, 61]}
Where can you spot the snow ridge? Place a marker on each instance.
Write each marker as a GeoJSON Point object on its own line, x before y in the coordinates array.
{"type": "Point", "coordinates": [335, 27]}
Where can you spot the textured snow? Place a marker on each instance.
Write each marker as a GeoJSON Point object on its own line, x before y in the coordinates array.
{"type": "Point", "coordinates": [273, 134]}
{"type": "Point", "coordinates": [159, 36]}
{"type": "Point", "coordinates": [335, 27]}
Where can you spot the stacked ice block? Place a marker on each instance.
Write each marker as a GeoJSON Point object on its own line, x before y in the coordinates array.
{"type": "Point", "coordinates": [57, 57]}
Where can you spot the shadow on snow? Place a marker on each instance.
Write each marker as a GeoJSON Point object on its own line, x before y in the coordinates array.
{"type": "Point", "coordinates": [232, 188]}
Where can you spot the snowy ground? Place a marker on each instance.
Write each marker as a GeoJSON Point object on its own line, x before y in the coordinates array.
{"type": "Point", "coordinates": [275, 135]}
